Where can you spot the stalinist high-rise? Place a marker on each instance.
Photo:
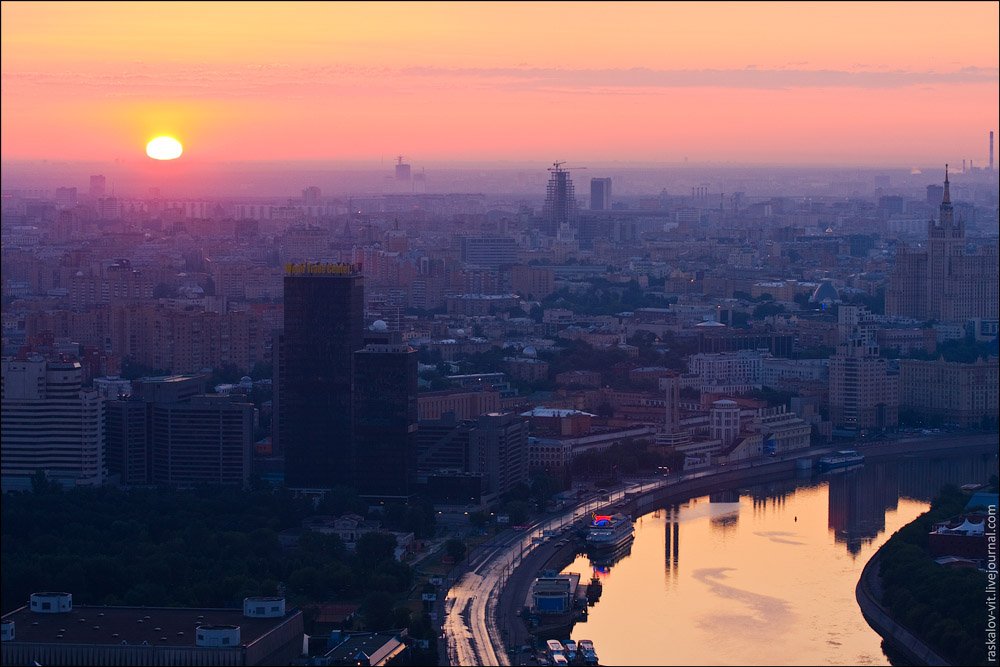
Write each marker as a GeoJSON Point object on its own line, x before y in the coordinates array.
{"type": "Point", "coordinates": [943, 282]}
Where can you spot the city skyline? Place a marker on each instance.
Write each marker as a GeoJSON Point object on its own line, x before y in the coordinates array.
{"type": "Point", "coordinates": [706, 82]}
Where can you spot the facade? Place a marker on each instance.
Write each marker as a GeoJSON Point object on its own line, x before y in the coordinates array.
{"type": "Point", "coordinates": [385, 419]}
{"type": "Point", "coordinates": [943, 282]}
{"type": "Point", "coordinates": [51, 630]}
{"type": "Point", "coordinates": [534, 282]}
{"type": "Point", "coordinates": [128, 441]}
{"type": "Point", "coordinates": [727, 372]}
{"type": "Point", "coordinates": [526, 369]}
{"type": "Point", "coordinates": [463, 404]}
{"type": "Point", "coordinates": [964, 394]}
{"type": "Point", "coordinates": [781, 373]}
{"type": "Point", "coordinates": [600, 194]}
{"type": "Point", "coordinates": [324, 316]}
{"type": "Point", "coordinates": [207, 440]}
{"type": "Point", "coordinates": [559, 210]}
{"type": "Point", "coordinates": [50, 424]}
{"type": "Point", "coordinates": [499, 451]}
{"type": "Point", "coordinates": [129, 421]}
{"type": "Point", "coordinates": [863, 395]}
{"type": "Point", "coordinates": [551, 455]}
{"type": "Point", "coordinates": [489, 251]}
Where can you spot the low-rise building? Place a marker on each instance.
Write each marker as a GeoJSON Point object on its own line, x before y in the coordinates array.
{"type": "Point", "coordinates": [51, 630]}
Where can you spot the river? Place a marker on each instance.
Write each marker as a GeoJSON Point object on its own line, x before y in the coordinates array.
{"type": "Point", "coordinates": [764, 575]}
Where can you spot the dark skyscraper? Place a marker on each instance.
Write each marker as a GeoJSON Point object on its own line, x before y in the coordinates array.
{"type": "Point", "coordinates": [560, 200]}
{"type": "Point", "coordinates": [324, 316]}
{"type": "Point", "coordinates": [385, 418]}
{"type": "Point", "coordinates": [600, 194]}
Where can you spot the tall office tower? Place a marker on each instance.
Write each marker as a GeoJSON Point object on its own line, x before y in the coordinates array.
{"type": "Point", "coordinates": [560, 200]}
{"type": "Point", "coordinates": [50, 424]}
{"type": "Point", "coordinates": [500, 451]}
{"type": "Point", "coordinates": [943, 282]}
{"type": "Point", "coordinates": [385, 419]}
{"type": "Point", "coordinates": [600, 194]}
{"type": "Point", "coordinates": [97, 183]}
{"type": "Point", "coordinates": [863, 395]}
{"type": "Point", "coordinates": [324, 316]}
{"type": "Point", "coordinates": [991, 150]}
{"type": "Point", "coordinates": [206, 440]}
{"type": "Point", "coordinates": [402, 170]}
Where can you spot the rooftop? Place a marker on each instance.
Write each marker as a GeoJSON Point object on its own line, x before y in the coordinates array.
{"type": "Point", "coordinates": [135, 625]}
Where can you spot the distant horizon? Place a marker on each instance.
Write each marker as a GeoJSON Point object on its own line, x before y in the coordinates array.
{"type": "Point", "coordinates": [286, 179]}
{"type": "Point", "coordinates": [825, 84]}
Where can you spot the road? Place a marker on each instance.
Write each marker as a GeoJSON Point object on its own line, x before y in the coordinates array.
{"type": "Point", "coordinates": [469, 626]}
{"type": "Point", "coordinates": [470, 623]}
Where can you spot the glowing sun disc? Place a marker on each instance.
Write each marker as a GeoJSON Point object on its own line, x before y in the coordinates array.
{"type": "Point", "coordinates": [164, 148]}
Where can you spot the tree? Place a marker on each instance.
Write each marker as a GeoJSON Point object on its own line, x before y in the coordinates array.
{"type": "Point", "coordinates": [375, 548]}
{"type": "Point", "coordinates": [377, 611]}
{"type": "Point", "coordinates": [456, 549]}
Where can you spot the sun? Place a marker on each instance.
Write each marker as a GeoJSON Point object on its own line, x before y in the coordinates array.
{"type": "Point", "coordinates": [164, 148]}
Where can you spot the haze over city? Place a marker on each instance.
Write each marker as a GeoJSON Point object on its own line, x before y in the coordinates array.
{"type": "Point", "coordinates": [881, 84]}
{"type": "Point", "coordinates": [501, 333]}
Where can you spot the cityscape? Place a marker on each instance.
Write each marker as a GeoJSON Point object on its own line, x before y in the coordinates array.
{"type": "Point", "coordinates": [503, 333]}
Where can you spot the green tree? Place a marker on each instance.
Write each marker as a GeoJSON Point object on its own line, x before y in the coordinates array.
{"type": "Point", "coordinates": [376, 610]}
{"type": "Point", "coordinates": [456, 549]}
{"type": "Point", "coordinates": [375, 547]}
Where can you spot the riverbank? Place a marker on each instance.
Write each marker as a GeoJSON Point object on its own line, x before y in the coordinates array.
{"type": "Point", "coordinates": [932, 614]}
{"type": "Point", "coordinates": [681, 487]}
{"type": "Point", "coordinates": [869, 594]}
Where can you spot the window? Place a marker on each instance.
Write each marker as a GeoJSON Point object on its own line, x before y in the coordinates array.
{"type": "Point", "coordinates": [46, 605]}
{"type": "Point", "coordinates": [260, 610]}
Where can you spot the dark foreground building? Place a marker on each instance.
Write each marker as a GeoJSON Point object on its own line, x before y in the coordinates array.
{"type": "Point", "coordinates": [385, 419]}
{"type": "Point", "coordinates": [324, 316]}
{"type": "Point", "coordinates": [50, 630]}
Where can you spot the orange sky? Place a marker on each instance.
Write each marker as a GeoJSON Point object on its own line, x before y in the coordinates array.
{"type": "Point", "coordinates": [895, 83]}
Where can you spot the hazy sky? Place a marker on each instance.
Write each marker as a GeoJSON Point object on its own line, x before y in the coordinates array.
{"type": "Point", "coordinates": [897, 83]}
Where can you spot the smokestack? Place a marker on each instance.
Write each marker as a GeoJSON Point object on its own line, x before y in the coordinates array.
{"type": "Point", "coordinates": [991, 150]}
{"type": "Point", "coordinates": [963, 166]}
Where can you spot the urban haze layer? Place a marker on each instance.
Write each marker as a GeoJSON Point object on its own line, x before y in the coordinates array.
{"type": "Point", "coordinates": [377, 415]}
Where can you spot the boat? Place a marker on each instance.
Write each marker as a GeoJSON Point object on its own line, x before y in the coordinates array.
{"type": "Point", "coordinates": [609, 532]}
{"type": "Point", "coordinates": [587, 650]}
{"type": "Point", "coordinates": [554, 646]}
{"type": "Point", "coordinates": [570, 649]}
{"type": "Point", "coordinates": [594, 589]}
{"type": "Point", "coordinates": [559, 659]}
{"type": "Point", "coordinates": [841, 459]}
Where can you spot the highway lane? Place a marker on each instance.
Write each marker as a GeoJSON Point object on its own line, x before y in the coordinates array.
{"type": "Point", "coordinates": [470, 624]}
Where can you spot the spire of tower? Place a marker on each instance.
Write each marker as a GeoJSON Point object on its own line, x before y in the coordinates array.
{"type": "Point", "coordinates": [947, 192]}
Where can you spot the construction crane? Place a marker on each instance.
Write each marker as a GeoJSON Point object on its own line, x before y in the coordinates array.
{"type": "Point", "coordinates": [557, 166]}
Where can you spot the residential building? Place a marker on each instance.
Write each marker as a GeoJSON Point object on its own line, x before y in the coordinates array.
{"type": "Point", "coordinates": [50, 425]}
{"type": "Point", "coordinates": [963, 394]}
{"type": "Point", "coordinates": [943, 282]}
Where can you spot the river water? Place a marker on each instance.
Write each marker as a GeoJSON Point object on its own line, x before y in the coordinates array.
{"type": "Point", "coordinates": [764, 575]}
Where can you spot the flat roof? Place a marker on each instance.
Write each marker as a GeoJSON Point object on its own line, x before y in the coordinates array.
{"type": "Point", "coordinates": [118, 624]}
